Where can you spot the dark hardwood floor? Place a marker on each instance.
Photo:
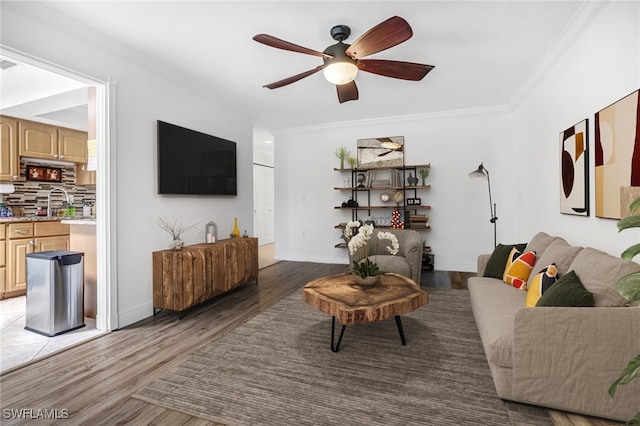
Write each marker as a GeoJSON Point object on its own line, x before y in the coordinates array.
{"type": "Point", "coordinates": [94, 381]}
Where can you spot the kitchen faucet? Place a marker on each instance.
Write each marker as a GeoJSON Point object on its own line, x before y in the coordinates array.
{"type": "Point", "coordinates": [49, 198]}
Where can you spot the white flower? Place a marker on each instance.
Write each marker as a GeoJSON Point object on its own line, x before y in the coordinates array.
{"type": "Point", "coordinates": [350, 229]}
{"type": "Point", "coordinates": [395, 246]}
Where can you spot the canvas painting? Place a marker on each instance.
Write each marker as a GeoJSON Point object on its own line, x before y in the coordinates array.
{"type": "Point", "coordinates": [574, 169]}
{"type": "Point", "coordinates": [617, 157]}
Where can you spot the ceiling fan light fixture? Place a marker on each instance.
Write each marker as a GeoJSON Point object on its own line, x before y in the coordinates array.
{"type": "Point", "coordinates": [340, 72]}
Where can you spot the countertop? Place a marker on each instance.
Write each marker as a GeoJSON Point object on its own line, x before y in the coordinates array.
{"type": "Point", "coordinates": [71, 220]}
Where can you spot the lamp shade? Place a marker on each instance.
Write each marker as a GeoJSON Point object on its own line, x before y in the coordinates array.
{"type": "Point", "coordinates": [480, 172]}
{"type": "Point", "coordinates": [339, 72]}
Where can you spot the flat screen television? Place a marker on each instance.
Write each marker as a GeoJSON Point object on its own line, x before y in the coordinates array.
{"type": "Point", "coordinates": [191, 162]}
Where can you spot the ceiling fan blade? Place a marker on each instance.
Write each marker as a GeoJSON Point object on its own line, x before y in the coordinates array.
{"type": "Point", "coordinates": [272, 41]}
{"type": "Point", "coordinates": [389, 33]}
{"type": "Point", "coordinates": [293, 78]}
{"type": "Point", "coordinates": [347, 92]}
{"type": "Point", "coordinates": [395, 69]}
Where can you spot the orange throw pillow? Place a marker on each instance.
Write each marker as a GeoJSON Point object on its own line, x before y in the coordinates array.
{"type": "Point", "coordinates": [519, 267]}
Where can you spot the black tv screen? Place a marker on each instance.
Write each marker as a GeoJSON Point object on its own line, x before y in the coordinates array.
{"type": "Point", "coordinates": [191, 162]}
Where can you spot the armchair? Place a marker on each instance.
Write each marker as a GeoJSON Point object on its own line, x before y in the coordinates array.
{"type": "Point", "coordinates": [407, 262]}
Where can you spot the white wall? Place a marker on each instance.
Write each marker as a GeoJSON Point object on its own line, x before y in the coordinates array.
{"type": "Point", "coordinates": [602, 66]}
{"type": "Point", "coordinates": [454, 144]}
{"type": "Point", "coordinates": [142, 97]}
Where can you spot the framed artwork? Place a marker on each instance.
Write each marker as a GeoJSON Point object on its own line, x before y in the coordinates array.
{"type": "Point", "coordinates": [574, 169]}
{"type": "Point", "coordinates": [44, 174]}
{"type": "Point", "coordinates": [381, 152]}
{"type": "Point", "coordinates": [617, 157]}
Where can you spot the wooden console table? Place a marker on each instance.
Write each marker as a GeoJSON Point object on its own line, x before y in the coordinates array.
{"type": "Point", "coordinates": [184, 278]}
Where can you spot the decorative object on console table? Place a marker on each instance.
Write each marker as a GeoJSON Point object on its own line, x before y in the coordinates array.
{"type": "Point", "coordinates": [574, 168]}
{"type": "Point", "coordinates": [482, 172]}
{"type": "Point", "coordinates": [176, 230]}
{"type": "Point", "coordinates": [211, 232]}
{"type": "Point", "coordinates": [235, 233]}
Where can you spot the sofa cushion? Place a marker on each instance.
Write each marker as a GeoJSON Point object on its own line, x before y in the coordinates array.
{"type": "Point", "coordinates": [540, 242]}
{"type": "Point", "coordinates": [558, 252]}
{"type": "Point", "coordinates": [498, 260]}
{"type": "Point", "coordinates": [518, 268]}
{"type": "Point", "coordinates": [540, 284]}
{"type": "Point", "coordinates": [567, 291]}
{"type": "Point", "coordinates": [599, 272]}
{"type": "Point", "coordinates": [494, 306]}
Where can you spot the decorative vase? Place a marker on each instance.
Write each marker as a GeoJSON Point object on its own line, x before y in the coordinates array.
{"type": "Point", "coordinates": [368, 281]}
{"type": "Point", "coordinates": [176, 244]}
{"type": "Point", "coordinates": [342, 162]}
{"type": "Point", "coordinates": [236, 230]}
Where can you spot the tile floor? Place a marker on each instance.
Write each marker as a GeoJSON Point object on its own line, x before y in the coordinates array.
{"type": "Point", "coordinates": [18, 346]}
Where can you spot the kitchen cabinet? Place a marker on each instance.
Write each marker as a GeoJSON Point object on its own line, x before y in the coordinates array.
{"type": "Point", "coordinates": [24, 238]}
{"type": "Point", "coordinates": [38, 140]}
{"type": "Point", "coordinates": [2, 258]}
{"type": "Point", "coordinates": [9, 160]}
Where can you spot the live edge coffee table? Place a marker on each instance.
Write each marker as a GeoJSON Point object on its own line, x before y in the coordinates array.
{"type": "Point", "coordinates": [341, 297]}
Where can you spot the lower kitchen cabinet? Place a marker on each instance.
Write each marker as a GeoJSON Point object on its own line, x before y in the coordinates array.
{"type": "Point", "coordinates": [24, 238]}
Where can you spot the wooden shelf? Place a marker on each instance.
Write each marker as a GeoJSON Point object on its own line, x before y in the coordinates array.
{"type": "Point", "coordinates": [428, 228]}
{"type": "Point", "coordinates": [405, 167]}
{"type": "Point", "coordinates": [384, 188]}
{"type": "Point", "coordinates": [406, 207]}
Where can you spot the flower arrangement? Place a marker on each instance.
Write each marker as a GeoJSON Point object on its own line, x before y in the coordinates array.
{"type": "Point", "coordinates": [359, 243]}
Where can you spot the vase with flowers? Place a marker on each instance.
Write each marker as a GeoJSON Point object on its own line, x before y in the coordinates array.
{"type": "Point", "coordinates": [366, 271]}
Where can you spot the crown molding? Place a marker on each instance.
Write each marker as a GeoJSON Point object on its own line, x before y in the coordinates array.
{"type": "Point", "coordinates": [489, 110]}
{"type": "Point", "coordinates": [579, 23]}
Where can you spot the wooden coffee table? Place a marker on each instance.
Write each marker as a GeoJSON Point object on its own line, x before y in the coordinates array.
{"type": "Point", "coordinates": [341, 297]}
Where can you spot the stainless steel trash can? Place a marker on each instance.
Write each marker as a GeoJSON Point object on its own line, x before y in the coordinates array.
{"type": "Point", "coordinates": [55, 300]}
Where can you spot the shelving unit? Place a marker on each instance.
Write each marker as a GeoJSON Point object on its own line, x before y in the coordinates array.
{"type": "Point", "coordinates": [361, 194]}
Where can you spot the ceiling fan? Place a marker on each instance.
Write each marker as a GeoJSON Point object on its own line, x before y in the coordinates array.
{"type": "Point", "coordinates": [342, 61]}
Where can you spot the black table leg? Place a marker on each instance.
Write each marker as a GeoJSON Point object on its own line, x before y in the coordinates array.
{"type": "Point", "coordinates": [333, 330]}
{"type": "Point", "coordinates": [399, 324]}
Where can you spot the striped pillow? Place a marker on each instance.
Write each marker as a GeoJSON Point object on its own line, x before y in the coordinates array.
{"type": "Point", "coordinates": [518, 269]}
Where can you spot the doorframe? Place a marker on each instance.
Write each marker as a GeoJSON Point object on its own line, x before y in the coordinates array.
{"type": "Point", "coordinates": [106, 238]}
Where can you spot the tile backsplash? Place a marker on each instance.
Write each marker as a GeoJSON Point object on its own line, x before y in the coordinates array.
{"type": "Point", "coordinates": [30, 195]}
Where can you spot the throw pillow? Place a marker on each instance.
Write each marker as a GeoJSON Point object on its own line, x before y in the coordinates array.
{"type": "Point", "coordinates": [540, 284]}
{"type": "Point", "coordinates": [567, 291]}
{"type": "Point", "coordinates": [518, 269]}
{"type": "Point", "coordinates": [498, 260]}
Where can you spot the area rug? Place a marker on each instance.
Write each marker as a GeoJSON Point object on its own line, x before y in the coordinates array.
{"type": "Point", "coordinates": [278, 369]}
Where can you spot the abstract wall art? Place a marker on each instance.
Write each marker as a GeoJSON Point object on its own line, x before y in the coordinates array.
{"type": "Point", "coordinates": [617, 157]}
{"type": "Point", "coordinates": [574, 169]}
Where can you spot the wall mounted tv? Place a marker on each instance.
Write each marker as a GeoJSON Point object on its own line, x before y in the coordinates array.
{"type": "Point", "coordinates": [190, 162]}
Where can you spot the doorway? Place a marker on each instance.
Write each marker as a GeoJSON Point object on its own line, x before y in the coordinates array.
{"type": "Point", "coordinates": [106, 318]}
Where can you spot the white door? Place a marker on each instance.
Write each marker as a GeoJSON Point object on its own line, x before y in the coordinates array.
{"type": "Point", "coordinates": [263, 204]}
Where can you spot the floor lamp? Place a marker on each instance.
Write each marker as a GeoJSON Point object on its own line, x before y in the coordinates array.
{"type": "Point", "coordinates": [482, 172]}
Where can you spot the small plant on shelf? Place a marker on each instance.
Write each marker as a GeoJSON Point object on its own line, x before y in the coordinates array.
{"type": "Point", "coordinates": [352, 161]}
{"type": "Point", "coordinates": [423, 173]}
{"type": "Point", "coordinates": [342, 153]}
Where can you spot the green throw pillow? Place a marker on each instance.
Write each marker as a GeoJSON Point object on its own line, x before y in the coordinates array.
{"type": "Point", "coordinates": [567, 291]}
{"type": "Point", "coordinates": [498, 260]}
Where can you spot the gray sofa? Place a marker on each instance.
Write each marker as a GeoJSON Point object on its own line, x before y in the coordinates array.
{"type": "Point", "coordinates": [561, 357]}
{"type": "Point", "coordinates": [407, 262]}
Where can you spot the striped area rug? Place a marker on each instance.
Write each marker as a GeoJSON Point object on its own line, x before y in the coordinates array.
{"type": "Point", "coordinates": [278, 369]}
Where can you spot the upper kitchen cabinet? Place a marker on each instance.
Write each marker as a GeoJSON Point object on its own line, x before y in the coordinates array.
{"type": "Point", "coordinates": [9, 160]}
{"type": "Point", "coordinates": [39, 140]}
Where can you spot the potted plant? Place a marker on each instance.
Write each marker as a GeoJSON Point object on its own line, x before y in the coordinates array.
{"type": "Point", "coordinates": [629, 287]}
{"type": "Point", "coordinates": [175, 229]}
{"type": "Point", "coordinates": [423, 173]}
{"type": "Point", "coordinates": [342, 153]}
{"type": "Point", "coordinates": [352, 161]}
